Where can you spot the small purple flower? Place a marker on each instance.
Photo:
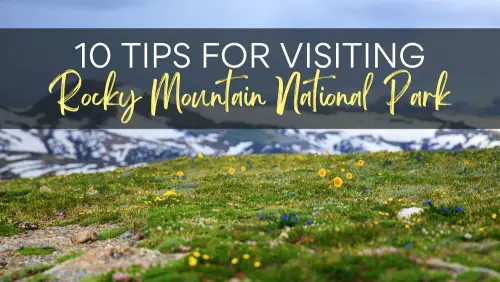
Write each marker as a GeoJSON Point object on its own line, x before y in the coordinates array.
{"type": "Point", "coordinates": [261, 217]}
{"type": "Point", "coordinates": [60, 215]}
{"type": "Point", "coordinates": [475, 188]}
{"type": "Point", "coordinates": [428, 202]}
{"type": "Point", "coordinates": [309, 222]}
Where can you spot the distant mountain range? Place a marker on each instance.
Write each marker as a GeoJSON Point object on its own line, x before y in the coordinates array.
{"type": "Point", "coordinates": [31, 153]}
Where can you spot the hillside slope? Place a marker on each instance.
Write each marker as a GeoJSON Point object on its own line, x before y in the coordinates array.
{"type": "Point", "coordinates": [33, 153]}
{"type": "Point", "coordinates": [281, 217]}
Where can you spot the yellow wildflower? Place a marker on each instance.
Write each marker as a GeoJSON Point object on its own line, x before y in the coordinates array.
{"type": "Point", "coordinates": [199, 155]}
{"type": "Point", "coordinates": [360, 163]}
{"type": "Point", "coordinates": [243, 168]}
{"type": "Point", "coordinates": [196, 254]}
{"type": "Point", "coordinates": [348, 175]}
{"type": "Point", "coordinates": [180, 173]}
{"type": "Point", "coordinates": [234, 261]}
{"type": "Point", "coordinates": [232, 170]}
{"type": "Point", "coordinates": [494, 216]}
{"type": "Point", "coordinates": [205, 257]}
{"type": "Point", "coordinates": [337, 181]}
{"type": "Point", "coordinates": [246, 256]}
{"type": "Point", "coordinates": [170, 193]}
{"type": "Point", "coordinates": [257, 264]}
{"type": "Point", "coordinates": [322, 172]}
{"type": "Point", "coordinates": [192, 261]}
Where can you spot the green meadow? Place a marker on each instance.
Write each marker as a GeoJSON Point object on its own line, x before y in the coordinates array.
{"type": "Point", "coordinates": [285, 217]}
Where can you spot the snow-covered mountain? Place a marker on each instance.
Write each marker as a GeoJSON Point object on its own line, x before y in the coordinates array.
{"type": "Point", "coordinates": [30, 153]}
{"type": "Point", "coordinates": [34, 152]}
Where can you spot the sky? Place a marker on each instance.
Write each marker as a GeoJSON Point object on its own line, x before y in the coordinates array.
{"type": "Point", "coordinates": [249, 14]}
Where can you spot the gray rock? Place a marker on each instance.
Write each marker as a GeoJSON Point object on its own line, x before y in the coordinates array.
{"type": "Point", "coordinates": [132, 235]}
{"type": "Point", "coordinates": [3, 263]}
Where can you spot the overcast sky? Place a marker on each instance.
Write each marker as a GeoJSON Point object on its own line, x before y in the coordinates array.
{"type": "Point", "coordinates": [254, 13]}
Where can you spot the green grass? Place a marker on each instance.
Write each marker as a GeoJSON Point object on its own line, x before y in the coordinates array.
{"type": "Point", "coordinates": [113, 233]}
{"type": "Point", "coordinates": [24, 273]}
{"type": "Point", "coordinates": [69, 256]}
{"type": "Point", "coordinates": [36, 251]}
{"type": "Point", "coordinates": [327, 233]}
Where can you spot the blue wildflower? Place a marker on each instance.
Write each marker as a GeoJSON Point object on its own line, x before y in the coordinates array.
{"type": "Point", "coordinates": [309, 222]}
{"type": "Point", "coordinates": [428, 202]}
{"type": "Point", "coordinates": [409, 246]}
{"type": "Point", "coordinates": [460, 209]}
{"type": "Point", "coordinates": [284, 217]}
{"type": "Point", "coordinates": [261, 217]}
{"type": "Point", "coordinates": [443, 210]}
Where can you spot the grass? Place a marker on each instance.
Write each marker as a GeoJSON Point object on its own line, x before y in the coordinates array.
{"type": "Point", "coordinates": [24, 273]}
{"type": "Point", "coordinates": [36, 251]}
{"type": "Point", "coordinates": [69, 256]}
{"type": "Point", "coordinates": [113, 233]}
{"type": "Point", "coordinates": [278, 219]}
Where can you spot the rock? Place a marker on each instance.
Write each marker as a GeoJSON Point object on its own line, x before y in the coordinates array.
{"type": "Point", "coordinates": [139, 236]}
{"type": "Point", "coordinates": [132, 235]}
{"type": "Point", "coordinates": [96, 261]}
{"type": "Point", "coordinates": [108, 250]}
{"type": "Point", "coordinates": [3, 263]}
{"type": "Point", "coordinates": [119, 276]}
{"type": "Point", "coordinates": [45, 189]}
{"type": "Point", "coordinates": [458, 268]}
{"type": "Point", "coordinates": [439, 264]}
{"type": "Point", "coordinates": [409, 212]}
{"type": "Point", "coordinates": [84, 236]}
{"type": "Point", "coordinates": [91, 191]}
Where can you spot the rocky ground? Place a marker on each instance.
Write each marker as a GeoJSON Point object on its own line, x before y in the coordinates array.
{"type": "Point", "coordinates": [91, 256]}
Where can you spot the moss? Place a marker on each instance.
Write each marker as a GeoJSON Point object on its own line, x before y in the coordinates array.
{"type": "Point", "coordinates": [36, 251]}
{"type": "Point", "coordinates": [69, 256]}
{"type": "Point", "coordinates": [113, 233]}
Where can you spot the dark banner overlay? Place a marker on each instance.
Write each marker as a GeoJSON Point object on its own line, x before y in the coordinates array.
{"type": "Point", "coordinates": [250, 78]}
